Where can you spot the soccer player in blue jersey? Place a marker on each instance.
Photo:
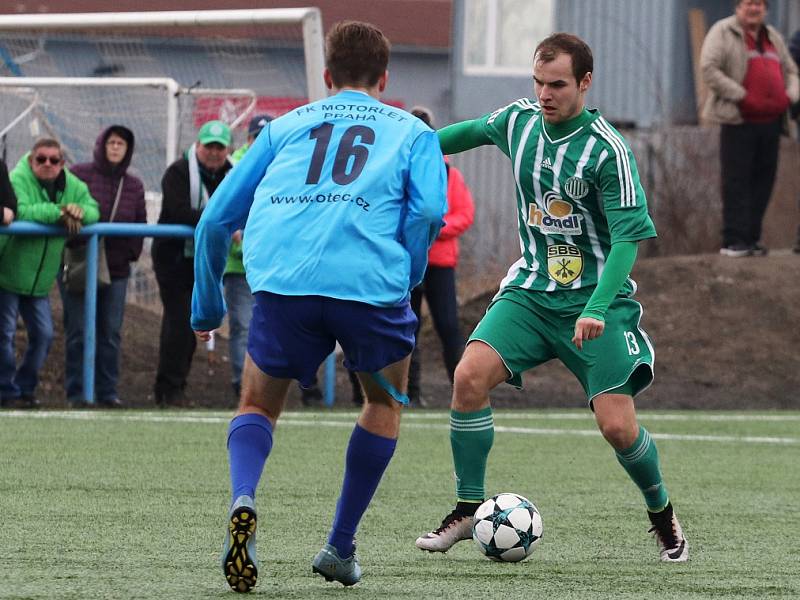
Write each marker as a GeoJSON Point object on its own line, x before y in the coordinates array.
{"type": "Point", "coordinates": [340, 200]}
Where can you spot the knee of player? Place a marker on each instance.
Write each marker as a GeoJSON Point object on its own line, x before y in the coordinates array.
{"type": "Point", "coordinates": [381, 398]}
{"type": "Point", "coordinates": [250, 403]}
{"type": "Point", "coordinates": [471, 383]}
{"type": "Point", "coordinates": [618, 432]}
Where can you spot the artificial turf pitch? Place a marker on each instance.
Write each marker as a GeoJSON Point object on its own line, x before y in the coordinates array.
{"type": "Point", "coordinates": [133, 505]}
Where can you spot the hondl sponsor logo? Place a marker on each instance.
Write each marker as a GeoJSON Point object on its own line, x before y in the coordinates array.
{"type": "Point", "coordinates": [558, 219]}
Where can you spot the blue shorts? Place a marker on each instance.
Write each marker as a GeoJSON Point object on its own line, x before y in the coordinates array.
{"type": "Point", "coordinates": [290, 336]}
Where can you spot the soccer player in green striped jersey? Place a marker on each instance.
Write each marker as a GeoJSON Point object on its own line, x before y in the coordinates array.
{"type": "Point", "coordinates": [581, 212]}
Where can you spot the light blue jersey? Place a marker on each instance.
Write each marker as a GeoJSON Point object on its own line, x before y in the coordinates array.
{"type": "Point", "coordinates": [341, 198]}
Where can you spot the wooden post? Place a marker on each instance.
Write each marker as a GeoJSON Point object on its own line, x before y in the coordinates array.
{"type": "Point", "coordinates": [697, 33]}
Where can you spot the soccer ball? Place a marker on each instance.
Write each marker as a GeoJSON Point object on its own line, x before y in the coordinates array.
{"type": "Point", "coordinates": [507, 528]}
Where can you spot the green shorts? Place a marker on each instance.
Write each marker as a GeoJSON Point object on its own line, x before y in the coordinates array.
{"type": "Point", "coordinates": [528, 328]}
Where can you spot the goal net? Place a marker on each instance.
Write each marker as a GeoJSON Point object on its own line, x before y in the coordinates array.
{"type": "Point", "coordinates": [162, 74]}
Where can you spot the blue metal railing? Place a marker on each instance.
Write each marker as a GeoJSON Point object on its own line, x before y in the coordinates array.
{"type": "Point", "coordinates": [91, 232]}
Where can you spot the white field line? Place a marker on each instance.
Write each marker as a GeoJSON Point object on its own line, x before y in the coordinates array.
{"type": "Point", "coordinates": [555, 416]}
{"type": "Point", "coordinates": [296, 418]}
{"type": "Point", "coordinates": [432, 415]}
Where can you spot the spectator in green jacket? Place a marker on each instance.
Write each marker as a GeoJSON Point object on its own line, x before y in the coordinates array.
{"type": "Point", "coordinates": [255, 126]}
{"type": "Point", "coordinates": [46, 193]}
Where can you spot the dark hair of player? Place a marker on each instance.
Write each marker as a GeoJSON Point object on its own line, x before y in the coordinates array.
{"type": "Point", "coordinates": [566, 43]}
{"type": "Point", "coordinates": [423, 114]}
{"type": "Point", "coordinates": [356, 54]}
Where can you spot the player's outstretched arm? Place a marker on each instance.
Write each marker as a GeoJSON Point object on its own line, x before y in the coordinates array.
{"type": "Point", "coordinates": [463, 136]}
{"type": "Point", "coordinates": [591, 323]}
{"type": "Point", "coordinates": [426, 193]}
{"type": "Point", "coordinates": [226, 212]}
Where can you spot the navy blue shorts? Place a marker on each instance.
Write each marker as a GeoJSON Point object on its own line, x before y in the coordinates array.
{"type": "Point", "coordinates": [290, 336]}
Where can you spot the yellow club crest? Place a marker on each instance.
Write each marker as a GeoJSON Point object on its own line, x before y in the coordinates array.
{"type": "Point", "coordinates": [564, 263]}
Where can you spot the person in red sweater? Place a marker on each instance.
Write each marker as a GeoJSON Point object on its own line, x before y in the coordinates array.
{"type": "Point", "coordinates": [439, 285]}
{"type": "Point", "coordinates": [751, 80]}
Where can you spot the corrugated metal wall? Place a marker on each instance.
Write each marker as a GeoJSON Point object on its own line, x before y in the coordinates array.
{"type": "Point", "coordinates": [643, 63]}
{"type": "Point", "coordinates": [785, 15]}
{"type": "Point", "coordinates": [634, 47]}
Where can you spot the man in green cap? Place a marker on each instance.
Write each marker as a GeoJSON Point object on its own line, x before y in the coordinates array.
{"type": "Point", "coordinates": [186, 187]}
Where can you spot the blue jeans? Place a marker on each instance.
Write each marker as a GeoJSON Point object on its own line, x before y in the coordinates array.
{"type": "Point", "coordinates": [240, 310]}
{"type": "Point", "coordinates": [36, 315]}
{"type": "Point", "coordinates": [110, 311]}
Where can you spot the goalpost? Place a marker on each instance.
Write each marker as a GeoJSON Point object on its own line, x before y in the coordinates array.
{"type": "Point", "coordinates": [50, 99]}
{"type": "Point", "coordinates": [160, 73]}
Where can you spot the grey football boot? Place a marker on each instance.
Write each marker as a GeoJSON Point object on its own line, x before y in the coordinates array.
{"type": "Point", "coordinates": [239, 562]}
{"type": "Point", "coordinates": [332, 567]}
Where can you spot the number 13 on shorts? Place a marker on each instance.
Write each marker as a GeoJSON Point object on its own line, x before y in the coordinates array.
{"type": "Point", "coordinates": [631, 343]}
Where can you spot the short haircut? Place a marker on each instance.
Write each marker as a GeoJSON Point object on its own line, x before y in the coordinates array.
{"type": "Point", "coordinates": [566, 43]}
{"type": "Point", "coordinates": [356, 53]}
{"type": "Point", "coordinates": [736, 3]}
{"type": "Point", "coordinates": [46, 143]}
{"type": "Point", "coordinates": [423, 114]}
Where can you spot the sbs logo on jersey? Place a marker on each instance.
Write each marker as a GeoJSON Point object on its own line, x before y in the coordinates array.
{"type": "Point", "coordinates": [576, 188]}
{"type": "Point", "coordinates": [559, 218]}
{"type": "Point", "coordinates": [564, 263]}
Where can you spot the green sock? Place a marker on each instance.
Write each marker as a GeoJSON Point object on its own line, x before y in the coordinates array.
{"type": "Point", "coordinates": [641, 463]}
{"type": "Point", "coordinates": [471, 437]}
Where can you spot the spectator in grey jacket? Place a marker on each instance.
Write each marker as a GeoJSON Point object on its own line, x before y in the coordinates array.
{"type": "Point", "coordinates": [752, 80]}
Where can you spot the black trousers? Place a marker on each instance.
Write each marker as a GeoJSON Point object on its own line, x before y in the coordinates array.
{"type": "Point", "coordinates": [749, 160]}
{"type": "Point", "coordinates": [439, 290]}
{"type": "Point", "coordinates": [177, 341]}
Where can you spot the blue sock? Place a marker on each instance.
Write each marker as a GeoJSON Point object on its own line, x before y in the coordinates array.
{"type": "Point", "coordinates": [367, 457]}
{"type": "Point", "coordinates": [249, 444]}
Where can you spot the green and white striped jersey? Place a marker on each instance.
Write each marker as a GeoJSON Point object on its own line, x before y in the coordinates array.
{"type": "Point", "coordinates": [578, 191]}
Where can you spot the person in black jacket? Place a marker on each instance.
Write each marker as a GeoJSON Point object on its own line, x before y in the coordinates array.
{"type": "Point", "coordinates": [8, 201]}
{"type": "Point", "coordinates": [186, 185]}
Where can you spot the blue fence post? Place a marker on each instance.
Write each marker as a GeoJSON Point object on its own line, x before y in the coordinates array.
{"type": "Point", "coordinates": [89, 318]}
{"type": "Point", "coordinates": [330, 379]}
